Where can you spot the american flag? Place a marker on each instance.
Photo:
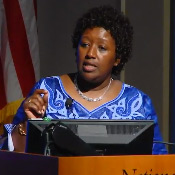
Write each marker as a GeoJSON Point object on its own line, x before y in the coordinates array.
{"type": "Point", "coordinates": [19, 53]}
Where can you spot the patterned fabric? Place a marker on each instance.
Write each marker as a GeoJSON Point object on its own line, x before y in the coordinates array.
{"type": "Point", "coordinates": [9, 128]}
{"type": "Point", "coordinates": [130, 104]}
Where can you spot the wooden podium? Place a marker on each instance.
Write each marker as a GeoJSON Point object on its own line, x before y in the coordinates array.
{"type": "Point", "coordinates": [12, 163]}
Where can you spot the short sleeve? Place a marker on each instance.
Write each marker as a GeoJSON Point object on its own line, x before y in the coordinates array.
{"type": "Point", "coordinates": [158, 148]}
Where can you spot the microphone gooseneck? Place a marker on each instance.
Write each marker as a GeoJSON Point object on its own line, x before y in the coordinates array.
{"type": "Point", "coordinates": [166, 143]}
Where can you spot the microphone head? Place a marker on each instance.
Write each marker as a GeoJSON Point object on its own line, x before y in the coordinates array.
{"type": "Point", "coordinates": [68, 103]}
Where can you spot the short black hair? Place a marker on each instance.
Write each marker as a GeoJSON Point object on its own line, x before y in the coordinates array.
{"type": "Point", "coordinates": [110, 19]}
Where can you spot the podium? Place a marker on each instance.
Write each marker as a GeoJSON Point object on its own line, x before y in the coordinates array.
{"type": "Point", "coordinates": [29, 164]}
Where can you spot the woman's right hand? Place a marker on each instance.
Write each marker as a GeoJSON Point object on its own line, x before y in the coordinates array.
{"type": "Point", "coordinates": [35, 105]}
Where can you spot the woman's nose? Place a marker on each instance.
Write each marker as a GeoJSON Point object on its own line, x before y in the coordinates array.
{"type": "Point", "coordinates": [91, 52]}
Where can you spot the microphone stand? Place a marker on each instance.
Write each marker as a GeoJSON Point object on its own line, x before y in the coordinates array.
{"type": "Point", "coordinates": [47, 134]}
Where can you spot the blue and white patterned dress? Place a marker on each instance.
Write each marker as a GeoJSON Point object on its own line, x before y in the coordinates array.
{"type": "Point", "coordinates": [130, 104]}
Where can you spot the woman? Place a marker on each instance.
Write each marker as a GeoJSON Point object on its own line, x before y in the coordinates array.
{"type": "Point", "coordinates": [103, 42]}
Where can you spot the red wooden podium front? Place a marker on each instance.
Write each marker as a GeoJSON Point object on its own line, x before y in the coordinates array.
{"type": "Point", "coordinates": [29, 164]}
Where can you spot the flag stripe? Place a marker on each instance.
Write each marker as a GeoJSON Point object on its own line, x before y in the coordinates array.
{"type": "Point", "coordinates": [19, 45]}
{"type": "Point", "coordinates": [19, 51]}
{"type": "Point", "coordinates": [2, 88]}
{"type": "Point", "coordinates": [11, 83]}
{"type": "Point", "coordinates": [29, 18]}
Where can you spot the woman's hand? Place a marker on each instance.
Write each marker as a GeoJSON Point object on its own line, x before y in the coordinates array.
{"type": "Point", "coordinates": [35, 106]}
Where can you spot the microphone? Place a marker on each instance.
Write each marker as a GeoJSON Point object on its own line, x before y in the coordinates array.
{"type": "Point", "coordinates": [68, 103]}
{"type": "Point", "coordinates": [166, 143]}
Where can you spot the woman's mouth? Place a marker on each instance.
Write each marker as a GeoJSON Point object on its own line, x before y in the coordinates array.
{"type": "Point", "coordinates": [89, 67]}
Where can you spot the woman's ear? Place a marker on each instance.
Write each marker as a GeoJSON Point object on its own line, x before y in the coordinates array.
{"type": "Point", "coordinates": [117, 61]}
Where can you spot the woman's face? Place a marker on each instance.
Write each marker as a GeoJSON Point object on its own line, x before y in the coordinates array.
{"type": "Point", "coordinates": [96, 54]}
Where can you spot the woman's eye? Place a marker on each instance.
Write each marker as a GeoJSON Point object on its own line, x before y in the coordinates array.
{"type": "Point", "coordinates": [102, 48]}
{"type": "Point", "coordinates": [84, 44]}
